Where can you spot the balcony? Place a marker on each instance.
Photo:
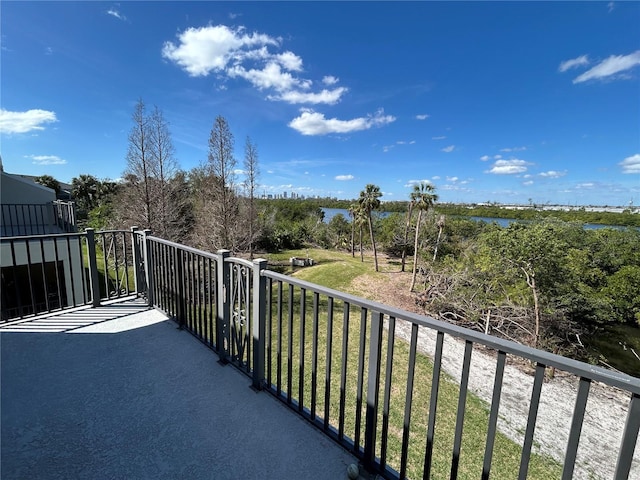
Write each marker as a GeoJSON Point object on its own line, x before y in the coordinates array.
{"type": "Point", "coordinates": [118, 392]}
{"type": "Point", "coordinates": [37, 219]}
{"type": "Point", "coordinates": [131, 394]}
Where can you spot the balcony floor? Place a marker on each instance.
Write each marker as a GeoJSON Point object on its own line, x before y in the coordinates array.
{"type": "Point", "coordinates": [120, 392]}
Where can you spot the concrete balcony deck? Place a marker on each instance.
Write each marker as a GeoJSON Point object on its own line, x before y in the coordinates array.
{"type": "Point", "coordinates": [119, 392]}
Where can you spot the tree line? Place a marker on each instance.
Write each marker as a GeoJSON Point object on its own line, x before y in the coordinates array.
{"type": "Point", "coordinates": [546, 283]}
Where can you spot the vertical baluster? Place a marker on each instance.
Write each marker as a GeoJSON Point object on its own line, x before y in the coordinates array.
{"type": "Point", "coordinates": [328, 360]}
{"type": "Point", "coordinates": [406, 425]}
{"type": "Point", "coordinates": [629, 439]}
{"type": "Point", "coordinates": [290, 345]}
{"type": "Point", "coordinates": [576, 428]}
{"type": "Point", "coordinates": [279, 336]}
{"type": "Point", "coordinates": [433, 405]}
{"type": "Point", "coordinates": [462, 399]}
{"type": "Point", "coordinates": [493, 415]}
{"type": "Point", "coordinates": [343, 371]}
{"type": "Point", "coordinates": [44, 276]}
{"type": "Point", "coordinates": [387, 392]}
{"type": "Point", "coordinates": [303, 308]}
{"type": "Point", "coordinates": [531, 421]}
{"type": "Point", "coordinates": [373, 390]}
{"type": "Point", "coordinates": [314, 355]}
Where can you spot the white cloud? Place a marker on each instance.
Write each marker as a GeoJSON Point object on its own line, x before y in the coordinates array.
{"type": "Point", "coordinates": [330, 80]}
{"type": "Point", "coordinates": [233, 53]}
{"type": "Point", "coordinates": [271, 76]}
{"type": "Point", "coordinates": [528, 182]}
{"type": "Point", "coordinates": [386, 148]}
{"type": "Point", "coordinates": [452, 179]}
{"type": "Point", "coordinates": [315, 123]}
{"type": "Point", "coordinates": [586, 185]}
{"type": "Point", "coordinates": [329, 97]}
{"type": "Point", "coordinates": [514, 149]}
{"type": "Point", "coordinates": [422, 116]}
{"type": "Point", "coordinates": [449, 149]}
{"type": "Point", "coordinates": [610, 67]}
{"type": "Point", "coordinates": [290, 61]}
{"type": "Point", "coordinates": [436, 177]}
{"type": "Point", "coordinates": [441, 137]}
{"type": "Point", "coordinates": [411, 183]}
{"type": "Point", "coordinates": [631, 164]}
{"type": "Point", "coordinates": [553, 174]}
{"type": "Point", "coordinates": [23, 122]}
{"type": "Point", "coordinates": [573, 63]}
{"type": "Point", "coordinates": [508, 167]}
{"type": "Point", "coordinates": [201, 51]}
{"type": "Point", "coordinates": [46, 159]}
{"type": "Point", "coordinates": [484, 158]}
{"type": "Point", "coordinates": [115, 13]}
{"type": "Point", "coordinates": [344, 177]}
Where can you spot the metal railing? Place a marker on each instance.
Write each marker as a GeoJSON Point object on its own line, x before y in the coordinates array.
{"type": "Point", "coordinates": [37, 219]}
{"type": "Point", "coordinates": [351, 366]}
{"type": "Point", "coordinates": [47, 273]}
{"type": "Point", "coordinates": [369, 376]}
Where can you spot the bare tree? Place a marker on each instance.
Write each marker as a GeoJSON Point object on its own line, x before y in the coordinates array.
{"type": "Point", "coordinates": [251, 183]}
{"type": "Point", "coordinates": [139, 165]}
{"type": "Point", "coordinates": [150, 196]}
{"type": "Point", "coordinates": [215, 197]}
{"type": "Point", "coordinates": [164, 170]}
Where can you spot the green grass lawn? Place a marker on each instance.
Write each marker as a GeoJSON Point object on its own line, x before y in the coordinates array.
{"type": "Point", "coordinates": [337, 270]}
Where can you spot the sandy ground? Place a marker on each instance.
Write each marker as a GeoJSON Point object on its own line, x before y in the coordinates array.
{"type": "Point", "coordinates": [606, 407]}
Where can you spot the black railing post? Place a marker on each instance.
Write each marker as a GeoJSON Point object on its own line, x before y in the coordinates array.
{"type": "Point", "coordinates": [373, 381]}
{"type": "Point", "coordinates": [181, 310]}
{"type": "Point", "coordinates": [148, 259]}
{"type": "Point", "coordinates": [223, 320]}
{"type": "Point", "coordinates": [259, 320]}
{"type": "Point", "coordinates": [135, 250]}
{"type": "Point", "coordinates": [93, 267]}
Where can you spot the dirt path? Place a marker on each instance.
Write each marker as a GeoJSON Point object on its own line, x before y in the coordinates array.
{"type": "Point", "coordinates": [606, 408]}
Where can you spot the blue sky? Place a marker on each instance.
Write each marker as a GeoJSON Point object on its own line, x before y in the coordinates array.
{"type": "Point", "coordinates": [493, 101]}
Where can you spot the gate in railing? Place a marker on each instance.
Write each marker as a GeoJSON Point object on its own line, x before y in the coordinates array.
{"type": "Point", "coordinates": [373, 378]}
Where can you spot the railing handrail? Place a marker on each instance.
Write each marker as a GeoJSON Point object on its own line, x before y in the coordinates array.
{"type": "Point", "coordinates": [43, 236]}
{"type": "Point", "coordinates": [581, 369]}
{"type": "Point", "coordinates": [185, 248]}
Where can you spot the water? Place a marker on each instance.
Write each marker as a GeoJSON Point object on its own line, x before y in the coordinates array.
{"type": "Point", "coordinates": [329, 213]}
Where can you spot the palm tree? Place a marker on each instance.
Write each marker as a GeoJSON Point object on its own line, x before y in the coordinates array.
{"type": "Point", "coordinates": [370, 200]}
{"type": "Point", "coordinates": [406, 233]}
{"type": "Point", "coordinates": [423, 197]}
{"type": "Point", "coordinates": [84, 190]}
{"type": "Point", "coordinates": [352, 215]}
{"type": "Point", "coordinates": [360, 220]}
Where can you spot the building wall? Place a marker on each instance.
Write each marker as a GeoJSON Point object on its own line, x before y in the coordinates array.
{"type": "Point", "coordinates": [14, 189]}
